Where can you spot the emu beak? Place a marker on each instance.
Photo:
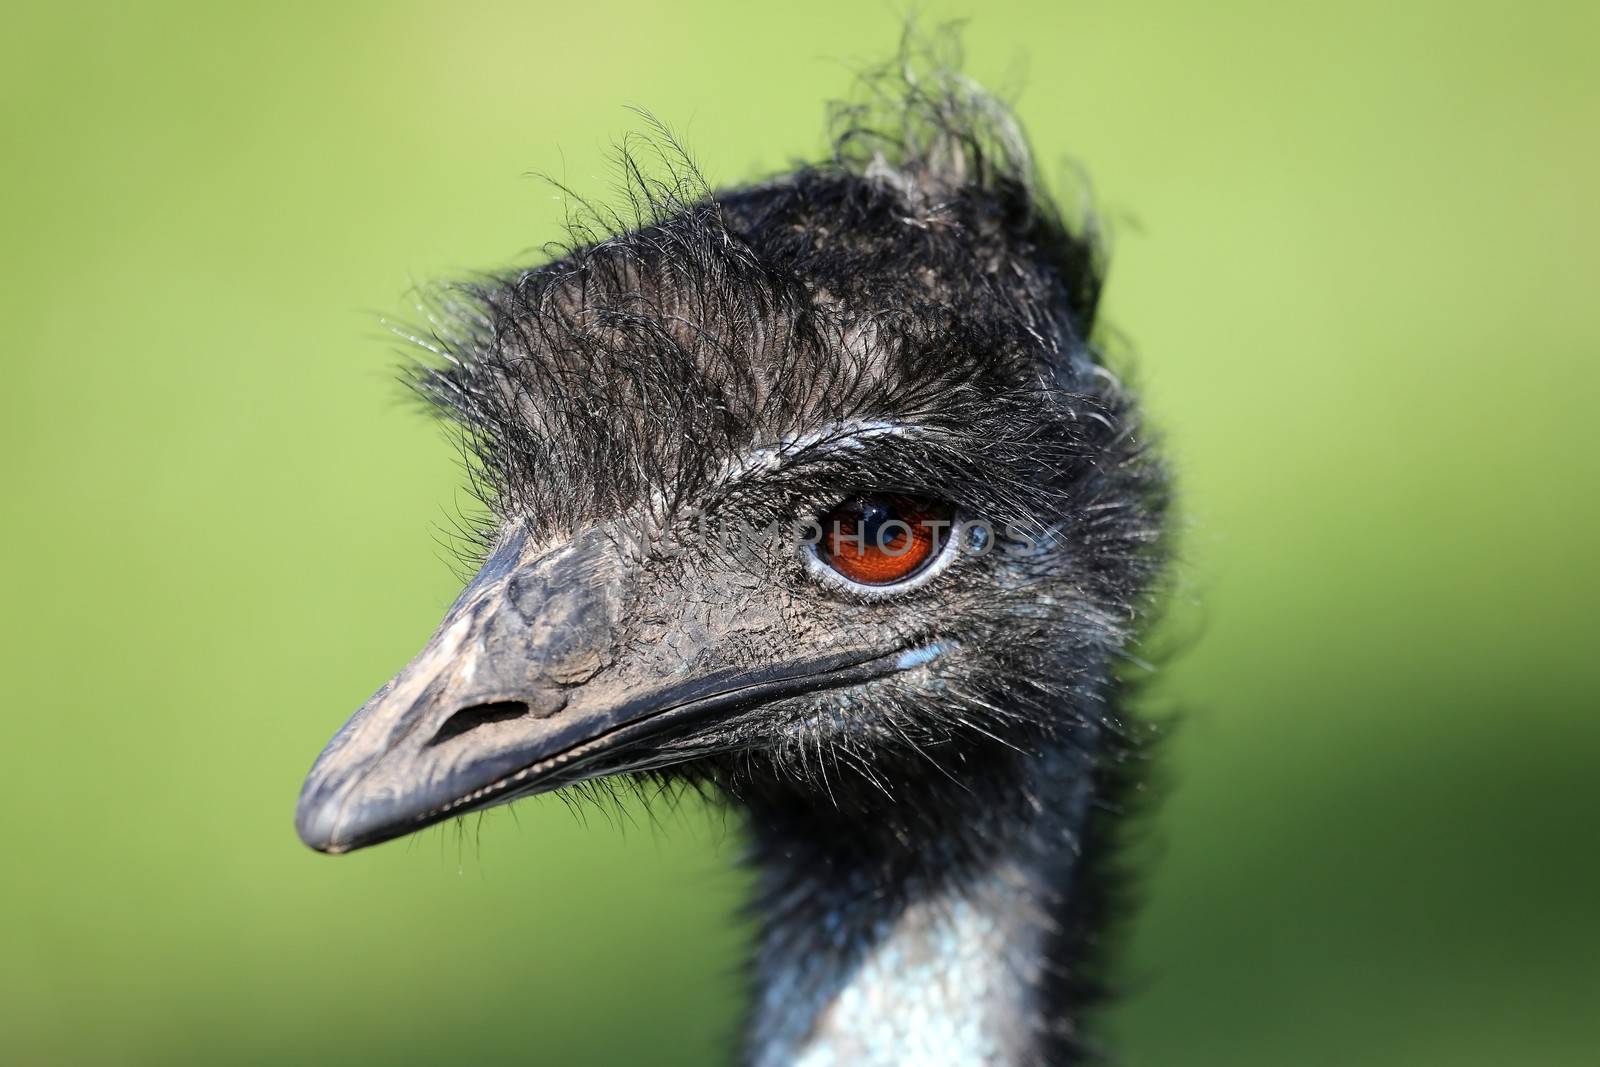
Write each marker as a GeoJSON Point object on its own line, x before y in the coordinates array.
{"type": "Point", "coordinates": [523, 689]}
{"type": "Point", "coordinates": [478, 704]}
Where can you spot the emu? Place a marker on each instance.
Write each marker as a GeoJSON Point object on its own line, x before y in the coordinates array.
{"type": "Point", "coordinates": [815, 496]}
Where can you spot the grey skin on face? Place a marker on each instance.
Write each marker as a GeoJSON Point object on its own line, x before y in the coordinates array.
{"type": "Point", "coordinates": [526, 687]}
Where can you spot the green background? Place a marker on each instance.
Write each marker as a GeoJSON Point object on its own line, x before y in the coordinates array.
{"type": "Point", "coordinates": [1356, 258]}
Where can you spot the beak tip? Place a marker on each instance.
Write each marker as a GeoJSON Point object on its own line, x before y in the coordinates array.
{"type": "Point", "coordinates": [317, 826]}
{"type": "Point", "coordinates": [338, 813]}
{"type": "Point", "coordinates": [318, 817]}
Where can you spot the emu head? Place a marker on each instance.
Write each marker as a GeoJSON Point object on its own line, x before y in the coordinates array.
{"type": "Point", "coordinates": [812, 489]}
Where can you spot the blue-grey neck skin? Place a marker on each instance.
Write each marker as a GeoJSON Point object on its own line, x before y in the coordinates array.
{"type": "Point", "coordinates": [943, 953]}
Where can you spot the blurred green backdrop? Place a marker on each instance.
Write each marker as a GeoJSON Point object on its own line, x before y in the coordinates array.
{"type": "Point", "coordinates": [1357, 257]}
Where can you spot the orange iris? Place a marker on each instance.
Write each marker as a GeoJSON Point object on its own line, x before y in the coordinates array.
{"type": "Point", "coordinates": [880, 540]}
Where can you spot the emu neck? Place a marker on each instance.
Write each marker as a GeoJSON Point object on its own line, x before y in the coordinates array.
{"type": "Point", "coordinates": [931, 940]}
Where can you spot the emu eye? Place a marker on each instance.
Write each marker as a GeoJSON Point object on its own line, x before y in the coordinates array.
{"type": "Point", "coordinates": [883, 539]}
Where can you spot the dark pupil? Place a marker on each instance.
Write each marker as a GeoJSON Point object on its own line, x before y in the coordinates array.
{"type": "Point", "coordinates": [872, 514]}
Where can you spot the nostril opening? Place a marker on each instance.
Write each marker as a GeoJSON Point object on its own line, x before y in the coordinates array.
{"type": "Point", "coordinates": [477, 715]}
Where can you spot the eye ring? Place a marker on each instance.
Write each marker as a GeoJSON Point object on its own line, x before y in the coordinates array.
{"type": "Point", "coordinates": [878, 545]}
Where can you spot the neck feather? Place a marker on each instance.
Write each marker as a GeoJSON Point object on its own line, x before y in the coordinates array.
{"type": "Point", "coordinates": [956, 936]}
